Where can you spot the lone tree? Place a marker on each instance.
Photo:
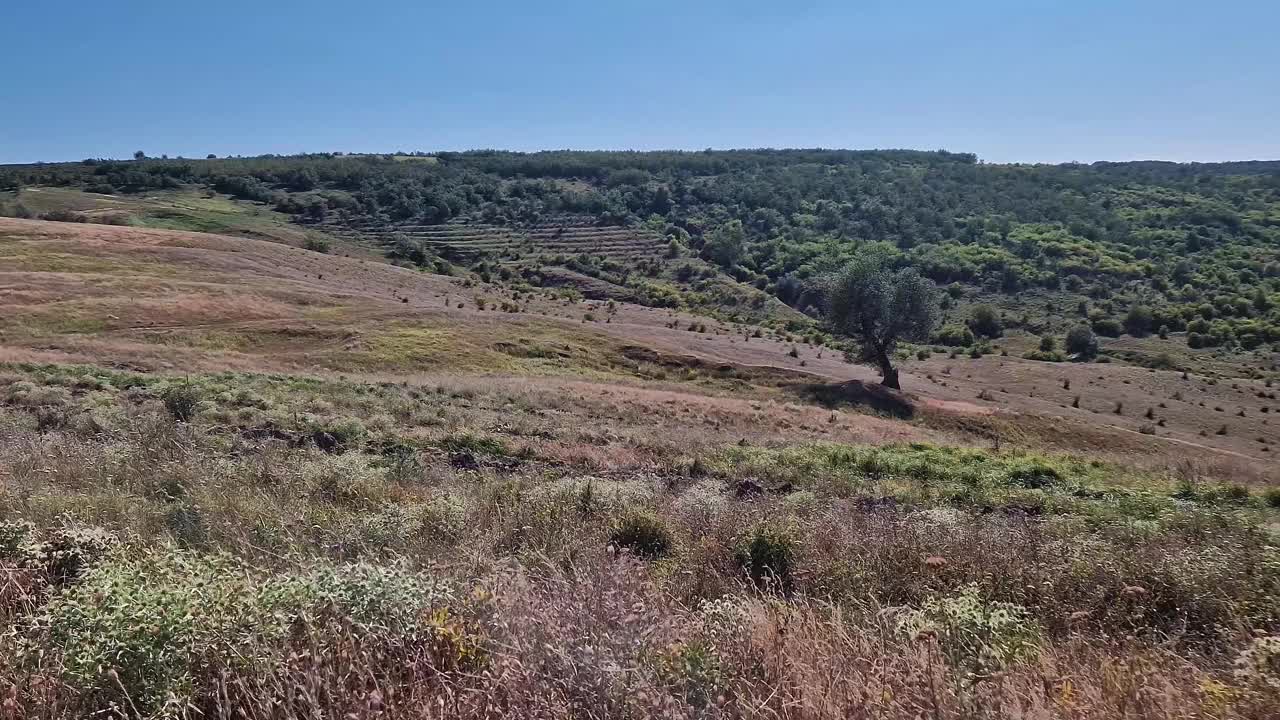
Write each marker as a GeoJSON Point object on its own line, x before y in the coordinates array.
{"type": "Point", "coordinates": [985, 321]}
{"type": "Point", "coordinates": [1081, 341]}
{"type": "Point", "coordinates": [878, 306]}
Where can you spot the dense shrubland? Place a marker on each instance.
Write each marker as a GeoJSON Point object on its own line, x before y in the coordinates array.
{"type": "Point", "coordinates": [1138, 248]}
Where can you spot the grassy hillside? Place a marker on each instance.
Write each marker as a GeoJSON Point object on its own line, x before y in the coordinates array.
{"type": "Point", "coordinates": [1129, 248]}
{"type": "Point", "coordinates": [545, 458]}
{"type": "Point", "coordinates": [198, 211]}
{"type": "Point", "coordinates": [158, 300]}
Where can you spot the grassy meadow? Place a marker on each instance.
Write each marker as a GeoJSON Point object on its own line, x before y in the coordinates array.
{"type": "Point", "coordinates": [267, 480]}
{"type": "Point", "coordinates": [276, 545]}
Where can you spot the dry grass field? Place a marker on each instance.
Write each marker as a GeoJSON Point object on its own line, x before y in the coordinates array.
{"type": "Point", "coordinates": [169, 301]}
{"type": "Point", "coordinates": [243, 479]}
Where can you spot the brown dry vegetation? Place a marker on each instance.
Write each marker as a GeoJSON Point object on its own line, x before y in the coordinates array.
{"type": "Point", "coordinates": [239, 479]}
{"type": "Point", "coordinates": [165, 300]}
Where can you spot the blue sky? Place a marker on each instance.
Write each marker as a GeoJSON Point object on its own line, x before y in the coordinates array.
{"type": "Point", "coordinates": [1010, 80]}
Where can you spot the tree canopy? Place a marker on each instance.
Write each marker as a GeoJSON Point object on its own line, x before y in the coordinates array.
{"type": "Point", "coordinates": [878, 307]}
{"type": "Point", "coordinates": [1081, 341]}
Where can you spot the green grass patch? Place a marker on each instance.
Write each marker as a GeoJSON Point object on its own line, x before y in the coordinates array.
{"type": "Point", "coordinates": [920, 474]}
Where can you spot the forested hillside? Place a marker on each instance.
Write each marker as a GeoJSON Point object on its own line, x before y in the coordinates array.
{"type": "Point", "coordinates": [1136, 248]}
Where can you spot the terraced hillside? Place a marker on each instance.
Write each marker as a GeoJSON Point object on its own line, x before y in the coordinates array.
{"type": "Point", "coordinates": [565, 235]}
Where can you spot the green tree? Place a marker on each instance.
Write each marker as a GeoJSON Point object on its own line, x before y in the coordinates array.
{"type": "Point", "coordinates": [1139, 321]}
{"type": "Point", "coordinates": [984, 321]}
{"type": "Point", "coordinates": [877, 307]}
{"type": "Point", "coordinates": [1081, 341]}
{"type": "Point", "coordinates": [1108, 327]}
{"type": "Point", "coordinates": [726, 243]}
{"type": "Point", "coordinates": [1260, 299]}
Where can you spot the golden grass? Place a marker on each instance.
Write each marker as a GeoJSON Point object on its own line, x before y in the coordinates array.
{"type": "Point", "coordinates": [514, 492]}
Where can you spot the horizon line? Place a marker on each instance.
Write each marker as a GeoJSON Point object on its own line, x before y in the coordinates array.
{"type": "Point", "coordinates": [431, 153]}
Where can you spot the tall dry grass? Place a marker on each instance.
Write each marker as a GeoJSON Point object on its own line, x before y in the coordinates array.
{"type": "Point", "coordinates": [766, 582]}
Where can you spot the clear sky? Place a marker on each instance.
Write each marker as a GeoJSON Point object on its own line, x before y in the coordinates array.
{"type": "Point", "coordinates": [1010, 80]}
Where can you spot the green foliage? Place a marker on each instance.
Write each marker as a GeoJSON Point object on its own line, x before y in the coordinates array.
{"type": "Point", "coordinates": [975, 635]}
{"type": "Point", "coordinates": [1139, 321]}
{"type": "Point", "coordinates": [985, 322]}
{"type": "Point", "coordinates": [478, 444]}
{"type": "Point", "coordinates": [1081, 341]}
{"type": "Point", "coordinates": [62, 556]}
{"type": "Point", "coordinates": [965, 477]}
{"type": "Point", "coordinates": [1271, 496]}
{"type": "Point", "coordinates": [1042, 356]}
{"type": "Point", "coordinates": [696, 670]}
{"type": "Point", "coordinates": [768, 555]}
{"type": "Point", "coordinates": [344, 432]}
{"type": "Point", "coordinates": [1180, 241]}
{"type": "Point", "coordinates": [138, 631]}
{"type": "Point", "coordinates": [879, 307]}
{"type": "Point", "coordinates": [1034, 474]}
{"type": "Point", "coordinates": [643, 534]}
{"type": "Point", "coordinates": [954, 335]}
{"type": "Point", "coordinates": [1107, 327]}
{"type": "Point", "coordinates": [182, 400]}
{"type": "Point", "coordinates": [726, 244]}
{"type": "Point", "coordinates": [317, 244]}
{"type": "Point", "coordinates": [16, 541]}
{"type": "Point", "coordinates": [1047, 352]}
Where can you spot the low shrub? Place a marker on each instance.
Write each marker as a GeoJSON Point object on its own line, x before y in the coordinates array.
{"type": "Point", "coordinates": [1033, 475]}
{"type": "Point", "coordinates": [1271, 496]}
{"type": "Point", "coordinates": [317, 244]}
{"type": "Point", "coordinates": [182, 401]}
{"type": "Point", "coordinates": [643, 534]}
{"type": "Point", "coordinates": [1259, 664]}
{"type": "Point", "coordinates": [768, 556]}
{"type": "Point", "coordinates": [340, 434]}
{"type": "Point", "coordinates": [976, 636]}
{"type": "Point", "coordinates": [63, 215]}
{"type": "Point", "coordinates": [1043, 356]}
{"type": "Point", "coordinates": [62, 556]}
{"type": "Point", "coordinates": [348, 480]}
{"type": "Point", "coordinates": [954, 335]}
{"type": "Point", "coordinates": [146, 632]}
{"type": "Point", "coordinates": [479, 444]}
{"type": "Point", "coordinates": [1108, 327]}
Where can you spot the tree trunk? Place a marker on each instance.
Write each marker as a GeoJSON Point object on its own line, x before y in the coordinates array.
{"type": "Point", "coordinates": [890, 375]}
